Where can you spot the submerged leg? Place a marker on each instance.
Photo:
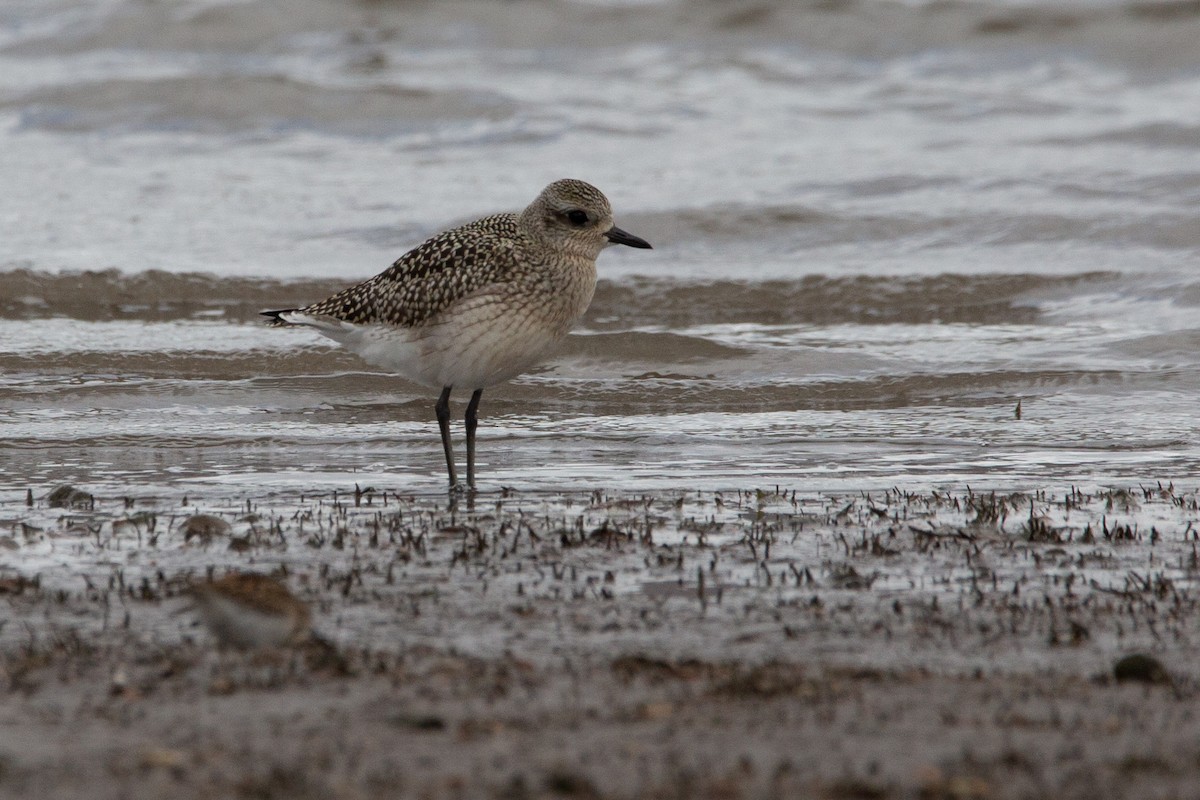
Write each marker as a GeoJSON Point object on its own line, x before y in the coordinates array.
{"type": "Point", "coordinates": [472, 424]}
{"type": "Point", "coordinates": [443, 417]}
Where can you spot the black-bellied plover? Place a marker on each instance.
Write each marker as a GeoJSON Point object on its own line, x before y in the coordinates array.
{"type": "Point", "coordinates": [479, 304]}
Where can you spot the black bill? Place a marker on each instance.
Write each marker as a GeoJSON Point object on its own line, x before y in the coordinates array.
{"type": "Point", "coordinates": [618, 236]}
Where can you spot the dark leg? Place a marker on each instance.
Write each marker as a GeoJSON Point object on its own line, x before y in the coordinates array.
{"type": "Point", "coordinates": [443, 417]}
{"type": "Point", "coordinates": [472, 424]}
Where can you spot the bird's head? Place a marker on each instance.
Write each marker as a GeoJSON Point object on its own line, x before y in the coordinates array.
{"type": "Point", "coordinates": [576, 217]}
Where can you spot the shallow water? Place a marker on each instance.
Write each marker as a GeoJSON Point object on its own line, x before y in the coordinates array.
{"type": "Point", "coordinates": [877, 228]}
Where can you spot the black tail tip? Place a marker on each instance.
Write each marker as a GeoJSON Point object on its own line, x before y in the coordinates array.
{"type": "Point", "coordinates": [276, 317]}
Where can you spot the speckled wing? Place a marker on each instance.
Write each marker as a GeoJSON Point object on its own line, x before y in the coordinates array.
{"type": "Point", "coordinates": [430, 277]}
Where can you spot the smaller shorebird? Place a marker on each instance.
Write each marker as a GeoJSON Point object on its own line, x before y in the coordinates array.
{"type": "Point", "coordinates": [479, 304]}
{"type": "Point", "coordinates": [249, 611]}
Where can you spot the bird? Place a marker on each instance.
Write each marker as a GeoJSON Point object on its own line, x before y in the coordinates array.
{"type": "Point", "coordinates": [250, 611]}
{"type": "Point", "coordinates": [478, 304]}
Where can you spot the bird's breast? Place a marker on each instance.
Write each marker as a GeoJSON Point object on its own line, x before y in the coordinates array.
{"type": "Point", "coordinates": [559, 297]}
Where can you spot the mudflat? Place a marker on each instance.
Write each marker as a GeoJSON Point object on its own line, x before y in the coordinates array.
{"type": "Point", "coordinates": [925, 245]}
{"type": "Point", "coordinates": [762, 643]}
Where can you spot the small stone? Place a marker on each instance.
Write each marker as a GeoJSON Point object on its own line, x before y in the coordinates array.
{"type": "Point", "coordinates": [222, 686]}
{"type": "Point", "coordinates": [654, 711]}
{"type": "Point", "coordinates": [205, 528]}
{"type": "Point", "coordinates": [162, 758]}
{"type": "Point", "coordinates": [1141, 668]}
{"type": "Point", "coordinates": [13, 585]}
{"type": "Point", "coordinates": [67, 496]}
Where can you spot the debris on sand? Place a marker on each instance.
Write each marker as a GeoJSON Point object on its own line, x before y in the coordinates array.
{"type": "Point", "coordinates": [67, 496]}
{"type": "Point", "coordinates": [1141, 668]}
{"type": "Point", "coordinates": [204, 528]}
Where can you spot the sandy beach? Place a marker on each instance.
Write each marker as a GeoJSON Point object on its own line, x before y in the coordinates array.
{"type": "Point", "coordinates": [726, 645]}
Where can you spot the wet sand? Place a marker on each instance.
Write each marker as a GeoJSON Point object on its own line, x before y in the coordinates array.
{"type": "Point", "coordinates": [677, 644]}
{"type": "Point", "coordinates": [879, 228]}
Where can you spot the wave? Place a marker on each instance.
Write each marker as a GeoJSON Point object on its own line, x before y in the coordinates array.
{"type": "Point", "coordinates": [223, 103]}
{"type": "Point", "coordinates": [157, 295]}
{"type": "Point", "coordinates": [369, 36]}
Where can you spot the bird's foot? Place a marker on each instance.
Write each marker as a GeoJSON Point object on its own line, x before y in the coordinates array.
{"type": "Point", "coordinates": [463, 491]}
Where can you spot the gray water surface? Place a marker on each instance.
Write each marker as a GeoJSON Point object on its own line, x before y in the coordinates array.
{"type": "Point", "coordinates": [877, 228]}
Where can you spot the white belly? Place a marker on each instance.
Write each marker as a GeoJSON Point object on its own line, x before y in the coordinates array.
{"type": "Point", "coordinates": [482, 342]}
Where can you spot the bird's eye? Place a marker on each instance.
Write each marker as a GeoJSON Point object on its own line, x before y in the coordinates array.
{"type": "Point", "coordinates": [577, 217]}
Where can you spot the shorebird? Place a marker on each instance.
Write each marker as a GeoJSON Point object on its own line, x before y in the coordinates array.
{"type": "Point", "coordinates": [250, 611]}
{"type": "Point", "coordinates": [478, 304]}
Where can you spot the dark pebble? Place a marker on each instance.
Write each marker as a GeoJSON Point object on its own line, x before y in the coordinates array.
{"type": "Point", "coordinates": [67, 496]}
{"type": "Point", "coordinates": [204, 527]}
{"type": "Point", "coordinates": [1141, 668]}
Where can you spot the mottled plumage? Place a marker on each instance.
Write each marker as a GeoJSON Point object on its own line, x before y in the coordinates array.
{"type": "Point", "coordinates": [431, 276]}
{"type": "Point", "coordinates": [478, 304]}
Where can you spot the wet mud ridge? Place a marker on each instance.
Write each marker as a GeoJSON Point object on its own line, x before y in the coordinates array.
{"type": "Point", "coordinates": [679, 644]}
